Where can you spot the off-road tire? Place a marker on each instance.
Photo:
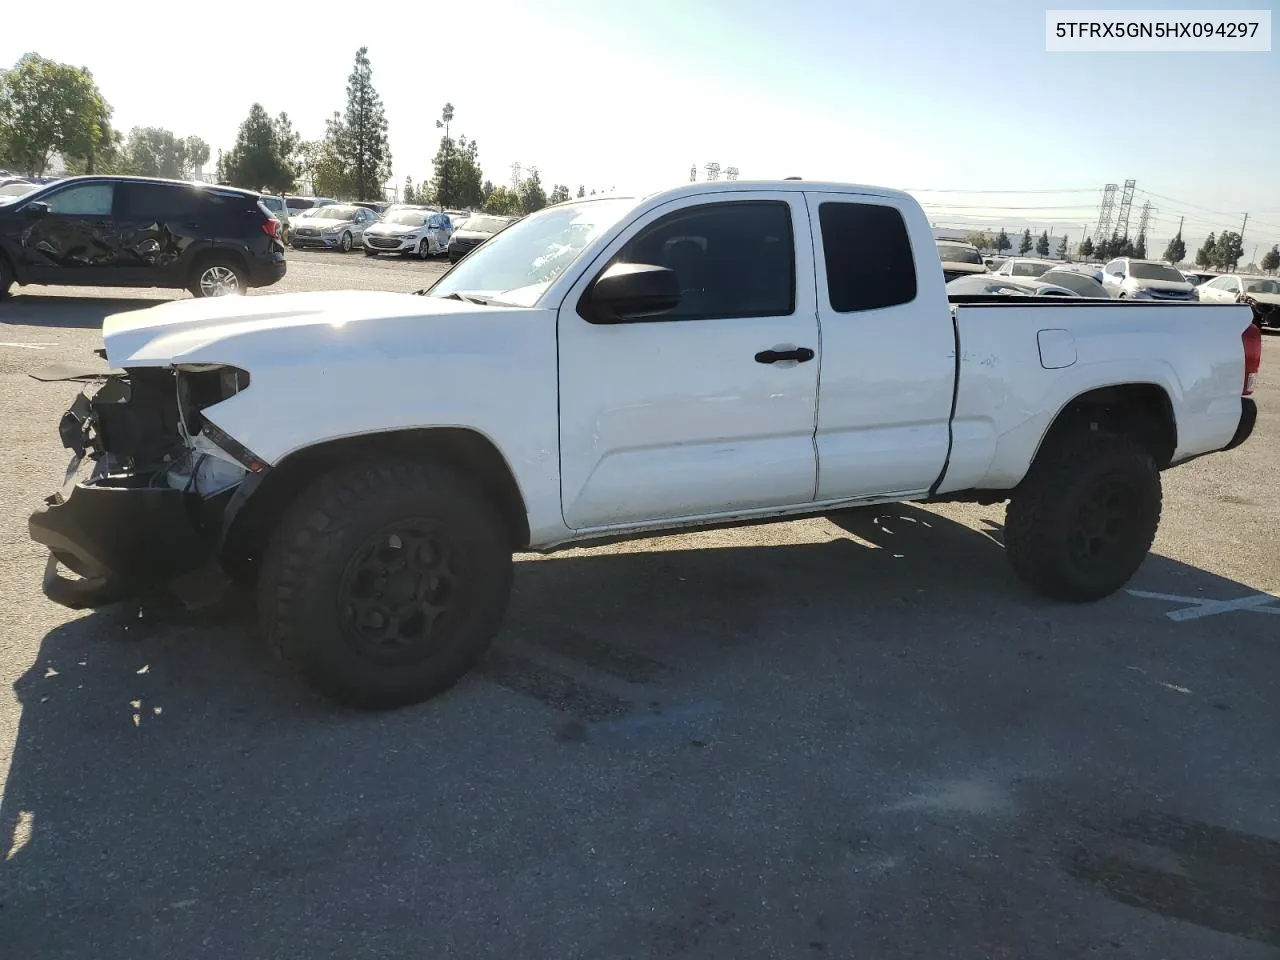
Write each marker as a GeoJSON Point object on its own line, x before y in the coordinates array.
{"type": "Point", "coordinates": [307, 613]}
{"type": "Point", "coordinates": [1043, 535]}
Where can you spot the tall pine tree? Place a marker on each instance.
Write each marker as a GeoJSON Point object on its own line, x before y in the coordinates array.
{"type": "Point", "coordinates": [362, 136]}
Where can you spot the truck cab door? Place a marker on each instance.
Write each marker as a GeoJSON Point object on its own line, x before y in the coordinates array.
{"type": "Point", "coordinates": [888, 348]}
{"type": "Point", "coordinates": [708, 409]}
{"type": "Point", "coordinates": [73, 238]}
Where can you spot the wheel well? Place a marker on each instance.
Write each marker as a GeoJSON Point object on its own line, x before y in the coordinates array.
{"type": "Point", "coordinates": [218, 253]}
{"type": "Point", "coordinates": [1141, 411]}
{"type": "Point", "coordinates": [250, 522]}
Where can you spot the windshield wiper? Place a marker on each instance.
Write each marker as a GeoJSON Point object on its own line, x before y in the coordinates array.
{"type": "Point", "coordinates": [465, 297]}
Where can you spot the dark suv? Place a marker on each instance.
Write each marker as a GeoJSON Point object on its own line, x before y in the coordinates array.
{"type": "Point", "coordinates": [137, 232]}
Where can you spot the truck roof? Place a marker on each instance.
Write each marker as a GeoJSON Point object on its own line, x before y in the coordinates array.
{"type": "Point", "coordinates": [787, 186]}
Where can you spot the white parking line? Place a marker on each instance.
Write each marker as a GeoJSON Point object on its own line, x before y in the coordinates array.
{"type": "Point", "coordinates": [27, 346]}
{"type": "Point", "coordinates": [1197, 607]}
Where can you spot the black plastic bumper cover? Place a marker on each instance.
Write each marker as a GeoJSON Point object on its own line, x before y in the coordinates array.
{"type": "Point", "coordinates": [1248, 419]}
{"type": "Point", "coordinates": [118, 540]}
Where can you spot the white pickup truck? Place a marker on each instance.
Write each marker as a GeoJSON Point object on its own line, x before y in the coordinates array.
{"type": "Point", "coordinates": [615, 368]}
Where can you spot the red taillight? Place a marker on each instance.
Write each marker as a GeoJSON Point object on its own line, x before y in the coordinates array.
{"type": "Point", "coordinates": [271, 227]}
{"type": "Point", "coordinates": [1252, 337]}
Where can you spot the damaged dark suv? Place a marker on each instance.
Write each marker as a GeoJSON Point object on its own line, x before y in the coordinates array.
{"type": "Point", "coordinates": [138, 232]}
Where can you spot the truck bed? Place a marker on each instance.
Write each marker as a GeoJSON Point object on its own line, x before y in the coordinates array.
{"type": "Point", "coordinates": [1021, 361]}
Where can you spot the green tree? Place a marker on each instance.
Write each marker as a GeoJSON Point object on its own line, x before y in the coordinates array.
{"type": "Point", "coordinates": [1229, 250]}
{"type": "Point", "coordinates": [979, 239]}
{"type": "Point", "coordinates": [458, 181]}
{"type": "Point", "coordinates": [259, 160]}
{"type": "Point", "coordinates": [107, 156]}
{"type": "Point", "coordinates": [503, 201]}
{"type": "Point", "coordinates": [486, 190]}
{"type": "Point", "coordinates": [559, 194]}
{"type": "Point", "coordinates": [1176, 251]}
{"type": "Point", "coordinates": [49, 108]}
{"type": "Point", "coordinates": [408, 194]}
{"type": "Point", "coordinates": [1140, 248]}
{"type": "Point", "coordinates": [532, 196]}
{"type": "Point", "coordinates": [445, 170]}
{"type": "Point", "coordinates": [1062, 248]}
{"type": "Point", "coordinates": [361, 139]}
{"type": "Point", "coordinates": [1026, 243]}
{"type": "Point", "coordinates": [154, 152]}
{"type": "Point", "coordinates": [1086, 248]}
{"type": "Point", "coordinates": [197, 151]}
{"type": "Point", "coordinates": [1003, 242]}
{"type": "Point", "coordinates": [582, 191]}
{"type": "Point", "coordinates": [1271, 259]}
{"type": "Point", "coordinates": [1127, 248]}
{"type": "Point", "coordinates": [1207, 255]}
{"type": "Point", "coordinates": [1042, 244]}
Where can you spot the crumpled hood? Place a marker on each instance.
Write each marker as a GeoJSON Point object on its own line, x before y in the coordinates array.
{"type": "Point", "coordinates": [1272, 299]}
{"type": "Point", "coordinates": [288, 328]}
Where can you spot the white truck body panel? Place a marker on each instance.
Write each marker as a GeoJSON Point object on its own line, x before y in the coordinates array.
{"type": "Point", "coordinates": [615, 428]}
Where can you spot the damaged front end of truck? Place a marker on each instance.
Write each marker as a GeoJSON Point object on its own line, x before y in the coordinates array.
{"type": "Point", "coordinates": [151, 485]}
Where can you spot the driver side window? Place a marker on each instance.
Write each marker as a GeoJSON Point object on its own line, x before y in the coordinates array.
{"type": "Point", "coordinates": [732, 258]}
{"type": "Point", "coordinates": [83, 200]}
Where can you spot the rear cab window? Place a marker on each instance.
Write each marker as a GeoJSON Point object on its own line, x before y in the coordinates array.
{"type": "Point", "coordinates": [867, 254]}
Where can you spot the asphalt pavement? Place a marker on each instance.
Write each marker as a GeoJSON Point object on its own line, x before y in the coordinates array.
{"type": "Point", "coordinates": [849, 738]}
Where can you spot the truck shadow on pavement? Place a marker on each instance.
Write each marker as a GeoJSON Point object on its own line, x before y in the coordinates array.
{"type": "Point", "coordinates": [82, 313]}
{"type": "Point", "coordinates": [174, 793]}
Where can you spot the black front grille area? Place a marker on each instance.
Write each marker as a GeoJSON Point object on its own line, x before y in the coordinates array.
{"type": "Point", "coordinates": [383, 243]}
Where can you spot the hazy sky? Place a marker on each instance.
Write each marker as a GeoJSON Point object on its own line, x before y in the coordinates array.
{"type": "Point", "coordinates": [924, 95]}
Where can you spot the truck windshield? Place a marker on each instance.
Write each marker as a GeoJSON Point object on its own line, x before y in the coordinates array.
{"type": "Point", "coordinates": [518, 264]}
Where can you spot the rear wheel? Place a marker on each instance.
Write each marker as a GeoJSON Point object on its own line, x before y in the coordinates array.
{"type": "Point", "coordinates": [218, 277]}
{"type": "Point", "coordinates": [1085, 517]}
{"type": "Point", "coordinates": [386, 581]}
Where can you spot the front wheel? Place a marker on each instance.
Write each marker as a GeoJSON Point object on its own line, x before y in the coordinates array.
{"type": "Point", "coordinates": [218, 278]}
{"type": "Point", "coordinates": [1084, 519]}
{"type": "Point", "coordinates": [386, 581]}
{"type": "Point", "coordinates": [424, 249]}
{"type": "Point", "coordinates": [344, 243]}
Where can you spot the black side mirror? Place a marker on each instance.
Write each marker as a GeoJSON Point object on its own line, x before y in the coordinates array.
{"type": "Point", "coordinates": [35, 209]}
{"type": "Point", "coordinates": [633, 291]}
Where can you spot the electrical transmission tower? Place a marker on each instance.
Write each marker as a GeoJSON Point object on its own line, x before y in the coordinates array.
{"type": "Point", "coordinates": [693, 173]}
{"type": "Point", "coordinates": [516, 174]}
{"type": "Point", "coordinates": [1105, 212]}
{"type": "Point", "coordinates": [1145, 217]}
{"type": "Point", "coordinates": [1126, 204]}
{"type": "Point", "coordinates": [731, 173]}
{"type": "Point", "coordinates": [713, 171]}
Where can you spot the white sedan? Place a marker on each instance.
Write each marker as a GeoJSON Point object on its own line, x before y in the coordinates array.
{"type": "Point", "coordinates": [408, 231]}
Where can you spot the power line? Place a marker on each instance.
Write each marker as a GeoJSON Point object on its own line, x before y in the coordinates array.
{"type": "Point", "coordinates": [1046, 190]}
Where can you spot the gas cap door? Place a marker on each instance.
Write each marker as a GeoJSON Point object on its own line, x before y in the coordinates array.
{"type": "Point", "coordinates": [1057, 349]}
